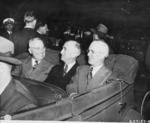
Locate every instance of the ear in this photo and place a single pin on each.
(30, 51)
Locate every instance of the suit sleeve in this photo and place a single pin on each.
(72, 87)
(49, 79)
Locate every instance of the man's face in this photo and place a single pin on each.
(44, 29)
(96, 53)
(9, 27)
(37, 49)
(69, 51)
(95, 37)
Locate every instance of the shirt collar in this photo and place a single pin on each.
(70, 65)
(95, 69)
(33, 61)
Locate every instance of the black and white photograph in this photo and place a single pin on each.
(74, 60)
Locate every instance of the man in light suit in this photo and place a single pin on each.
(91, 76)
(14, 96)
(59, 75)
(36, 65)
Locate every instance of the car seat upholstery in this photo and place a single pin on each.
(123, 67)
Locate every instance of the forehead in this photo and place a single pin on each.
(36, 43)
(98, 46)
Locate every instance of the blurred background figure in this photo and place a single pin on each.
(101, 32)
(13, 97)
(8, 28)
(22, 37)
(42, 31)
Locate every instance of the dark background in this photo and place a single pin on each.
(126, 18)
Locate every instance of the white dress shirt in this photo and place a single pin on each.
(70, 66)
(95, 69)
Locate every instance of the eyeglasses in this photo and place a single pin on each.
(90, 51)
(38, 48)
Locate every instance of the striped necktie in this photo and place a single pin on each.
(35, 65)
(65, 70)
(90, 74)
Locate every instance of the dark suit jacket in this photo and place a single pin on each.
(56, 77)
(5, 34)
(26, 69)
(79, 83)
(14, 98)
(21, 39)
(43, 37)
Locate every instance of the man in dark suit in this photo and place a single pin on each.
(36, 65)
(88, 77)
(42, 31)
(14, 96)
(60, 75)
(21, 38)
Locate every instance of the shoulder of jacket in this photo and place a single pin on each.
(83, 67)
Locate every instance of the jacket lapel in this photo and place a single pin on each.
(83, 79)
(72, 70)
(100, 77)
(28, 67)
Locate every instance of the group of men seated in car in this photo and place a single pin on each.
(45, 65)
(37, 65)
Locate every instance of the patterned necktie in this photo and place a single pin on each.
(35, 65)
(90, 74)
(65, 70)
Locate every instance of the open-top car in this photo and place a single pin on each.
(114, 101)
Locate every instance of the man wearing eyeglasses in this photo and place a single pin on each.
(36, 66)
(88, 77)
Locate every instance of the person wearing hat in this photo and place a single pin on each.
(21, 38)
(14, 96)
(101, 32)
(8, 24)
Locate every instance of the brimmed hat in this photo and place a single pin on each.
(101, 30)
(8, 20)
(6, 52)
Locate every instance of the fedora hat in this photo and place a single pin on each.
(6, 52)
(101, 30)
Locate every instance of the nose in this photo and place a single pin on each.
(89, 53)
(61, 52)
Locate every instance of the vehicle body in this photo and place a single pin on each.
(112, 102)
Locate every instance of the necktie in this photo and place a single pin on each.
(90, 74)
(65, 70)
(35, 65)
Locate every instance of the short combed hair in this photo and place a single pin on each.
(77, 45)
(33, 39)
(107, 46)
(40, 23)
(30, 15)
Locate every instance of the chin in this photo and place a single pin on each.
(90, 62)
